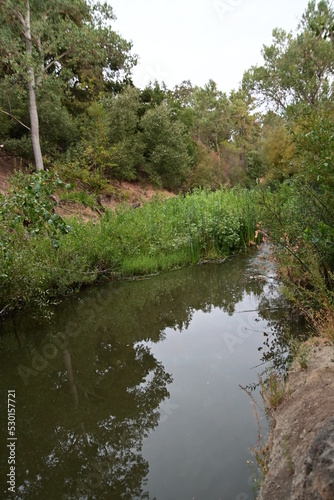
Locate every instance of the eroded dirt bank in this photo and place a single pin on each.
(302, 435)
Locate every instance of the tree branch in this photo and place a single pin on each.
(19, 16)
(48, 66)
(14, 118)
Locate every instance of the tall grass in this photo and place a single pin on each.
(159, 236)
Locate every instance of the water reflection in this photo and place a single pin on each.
(91, 387)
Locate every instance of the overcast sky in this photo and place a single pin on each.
(198, 40)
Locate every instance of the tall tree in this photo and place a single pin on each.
(297, 69)
(166, 155)
(68, 40)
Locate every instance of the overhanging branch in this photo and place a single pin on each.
(14, 118)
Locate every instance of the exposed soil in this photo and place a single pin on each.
(301, 439)
(132, 193)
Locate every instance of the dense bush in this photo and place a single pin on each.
(300, 222)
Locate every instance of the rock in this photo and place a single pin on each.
(319, 482)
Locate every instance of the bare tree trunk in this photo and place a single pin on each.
(34, 125)
(219, 159)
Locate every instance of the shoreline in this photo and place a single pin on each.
(301, 435)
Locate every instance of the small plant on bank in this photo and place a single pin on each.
(273, 390)
(301, 352)
(262, 457)
(303, 356)
(87, 199)
(287, 454)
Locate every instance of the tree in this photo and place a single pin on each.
(67, 40)
(277, 148)
(123, 111)
(210, 107)
(167, 160)
(297, 70)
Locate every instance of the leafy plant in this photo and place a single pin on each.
(30, 203)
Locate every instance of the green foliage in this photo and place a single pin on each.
(75, 55)
(277, 150)
(78, 169)
(59, 129)
(167, 160)
(180, 101)
(98, 127)
(30, 203)
(123, 112)
(300, 222)
(314, 141)
(28, 224)
(153, 95)
(88, 200)
(210, 107)
(296, 147)
(206, 171)
(273, 390)
(301, 352)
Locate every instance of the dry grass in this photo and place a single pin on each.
(324, 324)
(273, 390)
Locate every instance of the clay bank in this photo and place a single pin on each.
(301, 439)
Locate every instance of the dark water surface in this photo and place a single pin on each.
(131, 390)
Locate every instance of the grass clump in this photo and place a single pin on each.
(273, 389)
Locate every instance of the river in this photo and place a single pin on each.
(131, 389)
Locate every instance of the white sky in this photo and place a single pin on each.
(198, 40)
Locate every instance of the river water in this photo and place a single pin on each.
(132, 389)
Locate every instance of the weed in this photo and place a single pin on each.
(303, 356)
(88, 200)
(287, 454)
(301, 352)
(324, 324)
(273, 390)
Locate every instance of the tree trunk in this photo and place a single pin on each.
(34, 125)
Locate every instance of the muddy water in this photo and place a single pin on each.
(131, 389)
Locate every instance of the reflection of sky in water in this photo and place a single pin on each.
(199, 450)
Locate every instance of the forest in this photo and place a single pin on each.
(256, 163)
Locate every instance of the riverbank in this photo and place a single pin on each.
(44, 256)
(301, 438)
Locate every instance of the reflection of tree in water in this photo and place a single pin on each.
(284, 325)
(142, 310)
(129, 387)
(97, 412)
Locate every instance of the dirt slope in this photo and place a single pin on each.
(132, 193)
